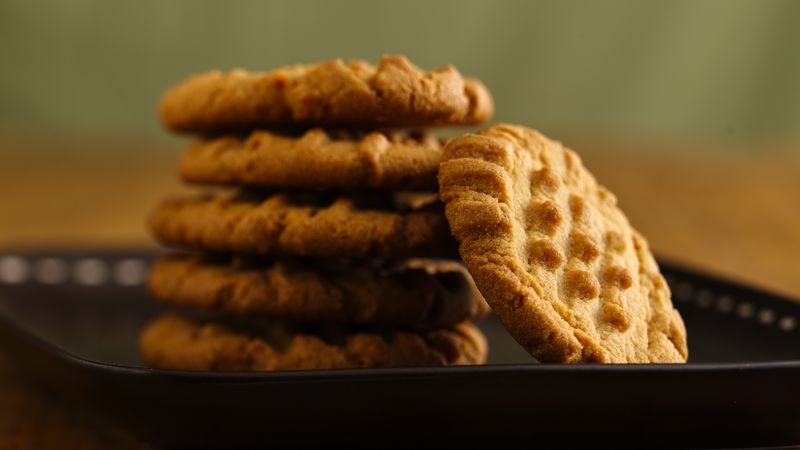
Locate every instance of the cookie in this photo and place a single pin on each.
(395, 93)
(317, 159)
(303, 224)
(177, 342)
(306, 292)
(553, 254)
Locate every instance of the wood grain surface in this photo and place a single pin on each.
(732, 212)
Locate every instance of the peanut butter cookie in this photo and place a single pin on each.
(319, 292)
(395, 93)
(172, 341)
(310, 224)
(553, 254)
(318, 159)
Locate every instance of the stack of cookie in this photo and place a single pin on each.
(329, 252)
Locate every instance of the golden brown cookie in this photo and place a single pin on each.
(553, 255)
(395, 93)
(172, 341)
(306, 292)
(317, 159)
(303, 224)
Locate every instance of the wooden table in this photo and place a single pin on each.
(727, 210)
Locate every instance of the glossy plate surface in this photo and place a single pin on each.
(70, 321)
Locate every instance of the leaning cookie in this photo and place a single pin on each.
(172, 341)
(355, 293)
(303, 224)
(318, 159)
(395, 93)
(553, 255)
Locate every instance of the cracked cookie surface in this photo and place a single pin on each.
(318, 159)
(553, 254)
(428, 296)
(306, 224)
(395, 93)
(173, 341)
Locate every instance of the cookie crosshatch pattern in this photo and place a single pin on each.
(553, 255)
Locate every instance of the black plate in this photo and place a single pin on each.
(70, 321)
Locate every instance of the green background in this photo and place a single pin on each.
(699, 69)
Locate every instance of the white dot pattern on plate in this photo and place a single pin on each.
(787, 323)
(90, 271)
(745, 310)
(86, 271)
(50, 271)
(704, 298)
(725, 304)
(13, 269)
(766, 316)
(129, 272)
(683, 291)
(133, 272)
